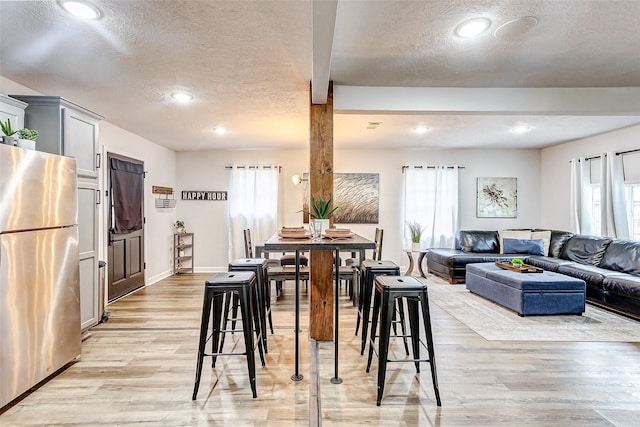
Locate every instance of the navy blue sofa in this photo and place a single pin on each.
(610, 267)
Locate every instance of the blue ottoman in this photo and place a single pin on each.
(527, 293)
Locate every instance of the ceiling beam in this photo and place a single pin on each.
(324, 23)
(455, 100)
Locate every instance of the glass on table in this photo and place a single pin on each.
(315, 226)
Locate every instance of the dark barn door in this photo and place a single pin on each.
(126, 225)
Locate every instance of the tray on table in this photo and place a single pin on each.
(525, 268)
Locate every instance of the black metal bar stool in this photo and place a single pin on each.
(242, 283)
(388, 289)
(370, 269)
(259, 267)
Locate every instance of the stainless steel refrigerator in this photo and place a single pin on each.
(39, 273)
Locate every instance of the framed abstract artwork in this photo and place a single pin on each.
(497, 198)
(356, 194)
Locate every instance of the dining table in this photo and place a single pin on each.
(353, 242)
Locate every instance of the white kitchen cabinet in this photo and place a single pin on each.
(12, 109)
(64, 128)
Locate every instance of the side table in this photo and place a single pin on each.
(410, 253)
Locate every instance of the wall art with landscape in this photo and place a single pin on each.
(356, 194)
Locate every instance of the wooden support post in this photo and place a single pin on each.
(321, 184)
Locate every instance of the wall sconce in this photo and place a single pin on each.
(297, 179)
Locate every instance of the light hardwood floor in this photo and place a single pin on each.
(139, 368)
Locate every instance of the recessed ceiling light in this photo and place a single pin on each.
(515, 29)
(81, 9)
(472, 27)
(421, 130)
(183, 97)
(521, 128)
(220, 131)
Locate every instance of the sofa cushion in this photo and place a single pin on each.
(558, 239)
(546, 263)
(523, 246)
(471, 258)
(443, 256)
(623, 284)
(594, 276)
(511, 234)
(587, 250)
(622, 256)
(454, 257)
(477, 241)
(546, 239)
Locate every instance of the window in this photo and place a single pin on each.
(633, 210)
(632, 195)
(595, 209)
(431, 201)
(253, 204)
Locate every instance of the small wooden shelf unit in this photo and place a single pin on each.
(182, 253)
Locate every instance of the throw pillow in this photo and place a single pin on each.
(545, 236)
(512, 234)
(523, 246)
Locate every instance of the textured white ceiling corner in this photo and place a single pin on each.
(324, 23)
(249, 65)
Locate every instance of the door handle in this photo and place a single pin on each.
(98, 197)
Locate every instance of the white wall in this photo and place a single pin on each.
(206, 171)
(208, 219)
(159, 162)
(555, 183)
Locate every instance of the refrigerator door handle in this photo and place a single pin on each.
(97, 197)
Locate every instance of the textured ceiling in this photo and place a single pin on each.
(249, 64)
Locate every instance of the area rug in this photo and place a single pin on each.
(496, 323)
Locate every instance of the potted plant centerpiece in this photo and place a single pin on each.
(9, 134)
(27, 138)
(517, 262)
(321, 211)
(416, 234)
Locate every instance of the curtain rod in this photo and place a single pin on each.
(619, 153)
(255, 167)
(590, 158)
(428, 167)
(627, 152)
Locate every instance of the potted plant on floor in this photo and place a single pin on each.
(9, 134)
(416, 234)
(27, 138)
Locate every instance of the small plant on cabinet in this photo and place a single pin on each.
(29, 134)
(9, 133)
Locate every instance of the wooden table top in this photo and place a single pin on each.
(276, 242)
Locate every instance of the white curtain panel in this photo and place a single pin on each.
(252, 204)
(613, 202)
(581, 199)
(431, 200)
